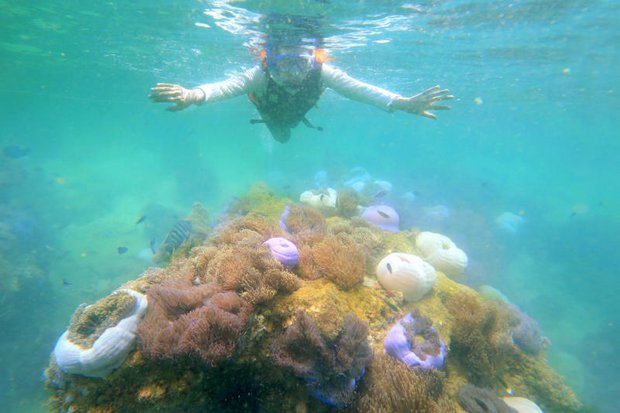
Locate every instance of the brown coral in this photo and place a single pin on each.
(306, 266)
(252, 272)
(211, 332)
(391, 386)
(476, 340)
(339, 259)
(364, 237)
(305, 223)
(251, 226)
(330, 369)
(193, 321)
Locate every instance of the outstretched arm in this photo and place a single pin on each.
(351, 88)
(182, 98)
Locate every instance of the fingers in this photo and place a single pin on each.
(431, 90)
(429, 115)
(164, 98)
(439, 98)
(166, 92)
(171, 94)
(442, 94)
(437, 92)
(164, 87)
(156, 97)
(175, 108)
(440, 107)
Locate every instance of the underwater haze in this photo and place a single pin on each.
(523, 172)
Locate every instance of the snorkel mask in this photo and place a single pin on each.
(289, 66)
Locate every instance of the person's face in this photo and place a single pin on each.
(291, 66)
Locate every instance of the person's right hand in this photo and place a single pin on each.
(424, 102)
(181, 97)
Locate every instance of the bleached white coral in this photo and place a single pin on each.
(406, 273)
(320, 198)
(108, 351)
(441, 253)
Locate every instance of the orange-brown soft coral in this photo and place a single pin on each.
(249, 226)
(364, 237)
(392, 386)
(252, 272)
(199, 260)
(532, 377)
(305, 223)
(308, 270)
(192, 321)
(477, 341)
(330, 368)
(339, 259)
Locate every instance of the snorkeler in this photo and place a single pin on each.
(289, 81)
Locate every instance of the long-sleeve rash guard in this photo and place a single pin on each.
(255, 81)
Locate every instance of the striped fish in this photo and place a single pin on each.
(175, 238)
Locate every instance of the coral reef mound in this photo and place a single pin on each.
(230, 328)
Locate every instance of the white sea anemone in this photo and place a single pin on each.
(522, 405)
(441, 253)
(406, 273)
(108, 351)
(320, 198)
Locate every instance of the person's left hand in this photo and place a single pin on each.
(422, 103)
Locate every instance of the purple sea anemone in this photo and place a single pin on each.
(382, 216)
(284, 251)
(415, 342)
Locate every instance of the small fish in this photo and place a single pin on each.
(15, 151)
(321, 197)
(153, 249)
(176, 237)
(122, 250)
(389, 267)
(66, 282)
(141, 220)
(383, 214)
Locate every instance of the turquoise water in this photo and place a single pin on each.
(533, 130)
